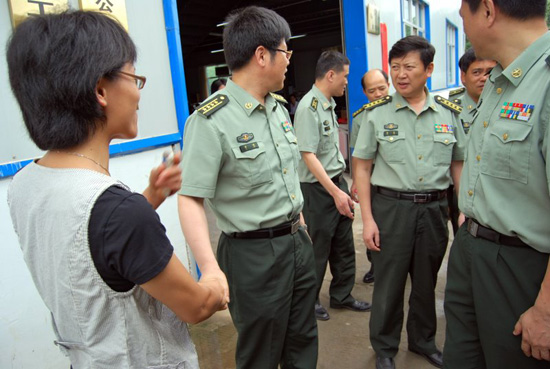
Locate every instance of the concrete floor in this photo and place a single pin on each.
(343, 340)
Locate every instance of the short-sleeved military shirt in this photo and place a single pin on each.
(411, 152)
(469, 110)
(505, 182)
(357, 118)
(317, 132)
(242, 157)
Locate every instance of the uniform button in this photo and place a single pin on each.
(478, 158)
(419, 157)
(293, 197)
(470, 193)
(446, 141)
(261, 108)
(391, 138)
(485, 124)
(505, 136)
(277, 144)
(421, 179)
(499, 90)
(284, 171)
(419, 137)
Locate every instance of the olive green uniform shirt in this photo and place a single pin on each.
(411, 152)
(469, 110)
(506, 175)
(355, 126)
(243, 158)
(317, 131)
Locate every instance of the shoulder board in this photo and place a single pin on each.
(548, 61)
(359, 111)
(457, 101)
(278, 98)
(376, 103)
(449, 104)
(209, 107)
(458, 91)
(314, 103)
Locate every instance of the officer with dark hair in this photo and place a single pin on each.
(328, 208)
(417, 141)
(218, 84)
(241, 155)
(497, 299)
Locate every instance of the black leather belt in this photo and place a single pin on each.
(479, 231)
(278, 231)
(336, 179)
(421, 197)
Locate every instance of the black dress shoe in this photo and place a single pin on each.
(320, 312)
(436, 359)
(354, 305)
(384, 363)
(369, 277)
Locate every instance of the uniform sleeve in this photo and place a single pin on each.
(366, 145)
(355, 129)
(306, 126)
(202, 157)
(461, 138)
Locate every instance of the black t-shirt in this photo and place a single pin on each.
(128, 242)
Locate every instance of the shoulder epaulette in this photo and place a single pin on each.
(212, 105)
(278, 98)
(314, 103)
(458, 91)
(359, 111)
(376, 103)
(457, 101)
(449, 104)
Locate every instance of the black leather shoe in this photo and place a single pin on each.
(369, 277)
(384, 363)
(320, 312)
(436, 359)
(354, 305)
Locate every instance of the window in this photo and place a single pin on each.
(452, 35)
(414, 19)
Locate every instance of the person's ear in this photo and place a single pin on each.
(101, 92)
(430, 69)
(261, 56)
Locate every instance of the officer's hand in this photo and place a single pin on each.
(534, 327)
(371, 235)
(344, 204)
(217, 288)
(353, 192)
(461, 219)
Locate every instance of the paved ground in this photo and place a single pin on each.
(343, 340)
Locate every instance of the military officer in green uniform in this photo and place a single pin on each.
(375, 84)
(497, 299)
(328, 208)
(474, 71)
(416, 141)
(241, 155)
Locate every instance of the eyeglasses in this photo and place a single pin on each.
(140, 80)
(288, 53)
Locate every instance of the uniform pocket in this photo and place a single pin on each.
(293, 143)
(392, 146)
(507, 151)
(252, 167)
(443, 148)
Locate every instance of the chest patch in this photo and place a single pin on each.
(245, 137)
(516, 111)
(391, 133)
(444, 128)
(391, 126)
(248, 147)
(287, 127)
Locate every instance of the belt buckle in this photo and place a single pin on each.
(420, 198)
(472, 227)
(295, 226)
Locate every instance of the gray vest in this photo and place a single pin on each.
(95, 326)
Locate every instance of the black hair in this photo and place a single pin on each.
(249, 28)
(413, 43)
(217, 84)
(330, 60)
(54, 63)
(517, 9)
(467, 59)
(384, 74)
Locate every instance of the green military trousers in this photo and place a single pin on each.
(488, 287)
(332, 237)
(272, 292)
(413, 240)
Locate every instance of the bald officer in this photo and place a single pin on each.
(417, 142)
(328, 208)
(375, 84)
(241, 155)
(497, 300)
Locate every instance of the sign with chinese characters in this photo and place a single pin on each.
(22, 9)
(115, 8)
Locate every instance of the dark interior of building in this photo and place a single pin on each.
(316, 22)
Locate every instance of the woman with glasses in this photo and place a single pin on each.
(97, 252)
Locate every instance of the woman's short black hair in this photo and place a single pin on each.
(55, 62)
(217, 84)
(413, 43)
(249, 28)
